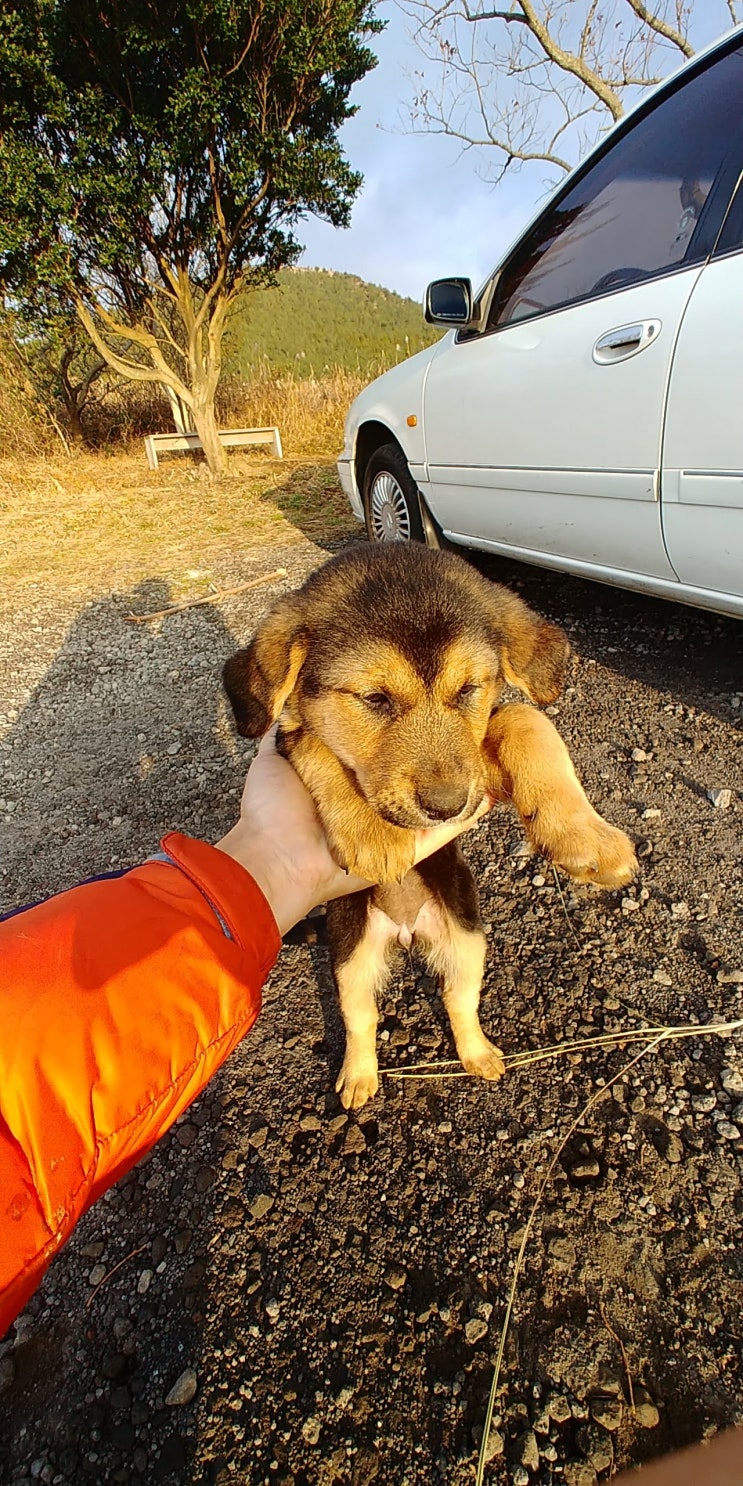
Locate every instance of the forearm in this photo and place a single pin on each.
(120, 1000)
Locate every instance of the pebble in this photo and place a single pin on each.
(526, 1450)
(183, 1390)
(562, 1250)
(606, 1409)
(558, 1408)
(538, 881)
(272, 1309)
(97, 1273)
(674, 1151)
(639, 756)
(630, 904)
(732, 1081)
(596, 1445)
(144, 1281)
(651, 813)
(309, 1122)
(311, 1430)
(579, 1473)
(727, 1131)
(585, 1168)
(355, 1141)
(722, 799)
(680, 910)
(646, 1413)
(475, 1330)
(260, 1205)
(662, 977)
(258, 1138)
(495, 1446)
(704, 1103)
(395, 1277)
(730, 977)
(520, 1475)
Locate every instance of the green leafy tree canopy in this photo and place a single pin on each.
(156, 158)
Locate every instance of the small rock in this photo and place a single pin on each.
(526, 1450)
(639, 755)
(585, 1168)
(630, 904)
(355, 1141)
(562, 1250)
(728, 1131)
(395, 1277)
(646, 1413)
(97, 1273)
(94, 1250)
(495, 1446)
(651, 813)
(311, 1430)
(475, 1330)
(730, 977)
(704, 1103)
(732, 1081)
(258, 1138)
(309, 1122)
(186, 1135)
(272, 1309)
(722, 799)
(662, 977)
(558, 1408)
(520, 1475)
(738, 1113)
(679, 910)
(183, 1390)
(337, 1123)
(144, 1282)
(674, 1151)
(538, 881)
(596, 1445)
(606, 1409)
(579, 1473)
(260, 1205)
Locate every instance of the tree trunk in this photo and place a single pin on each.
(74, 425)
(206, 428)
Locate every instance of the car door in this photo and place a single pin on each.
(543, 431)
(702, 478)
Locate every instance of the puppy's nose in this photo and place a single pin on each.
(442, 801)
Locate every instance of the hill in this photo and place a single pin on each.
(314, 319)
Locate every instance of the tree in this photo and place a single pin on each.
(538, 80)
(157, 156)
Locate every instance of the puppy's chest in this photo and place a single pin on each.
(403, 911)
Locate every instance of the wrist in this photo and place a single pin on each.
(285, 892)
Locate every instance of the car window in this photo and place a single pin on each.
(634, 213)
(731, 237)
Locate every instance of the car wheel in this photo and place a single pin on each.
(391, 498)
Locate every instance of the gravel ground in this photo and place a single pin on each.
(308, 1297)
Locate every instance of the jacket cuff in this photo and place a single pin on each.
(232, 893)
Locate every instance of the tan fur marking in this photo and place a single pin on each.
(297, 657)
(459, 957)
(360, 980)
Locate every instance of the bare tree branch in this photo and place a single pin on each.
(657, 24)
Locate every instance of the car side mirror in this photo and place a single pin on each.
(449, 302)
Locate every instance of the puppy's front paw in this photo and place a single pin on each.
(357, 1081)
(383, 853)
(590, 850)
(482, 1059)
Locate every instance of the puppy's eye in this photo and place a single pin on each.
(466, 693)
(378, 701)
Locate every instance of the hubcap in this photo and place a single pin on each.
(390, 518)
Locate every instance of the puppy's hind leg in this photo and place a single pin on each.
(455, 948)
(358, 943)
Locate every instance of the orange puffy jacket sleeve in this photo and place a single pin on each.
(118, 1001)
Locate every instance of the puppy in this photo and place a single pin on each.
(385, 671)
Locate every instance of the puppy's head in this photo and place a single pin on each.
(394, 657)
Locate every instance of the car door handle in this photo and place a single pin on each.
(625, 341)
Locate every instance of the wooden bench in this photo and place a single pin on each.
(232, 438)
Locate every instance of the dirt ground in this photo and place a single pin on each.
(336, 1283)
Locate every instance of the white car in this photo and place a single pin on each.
(585, 410)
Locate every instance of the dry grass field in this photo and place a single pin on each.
(76, 519)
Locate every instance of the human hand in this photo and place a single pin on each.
(279, 840)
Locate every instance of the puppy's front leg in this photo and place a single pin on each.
(529, 765)
(359, 840)
(358, 939)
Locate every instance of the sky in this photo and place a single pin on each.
(424, 210)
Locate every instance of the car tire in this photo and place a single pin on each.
(391, 502)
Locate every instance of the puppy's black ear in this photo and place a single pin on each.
(534, 653)
(258, 680)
